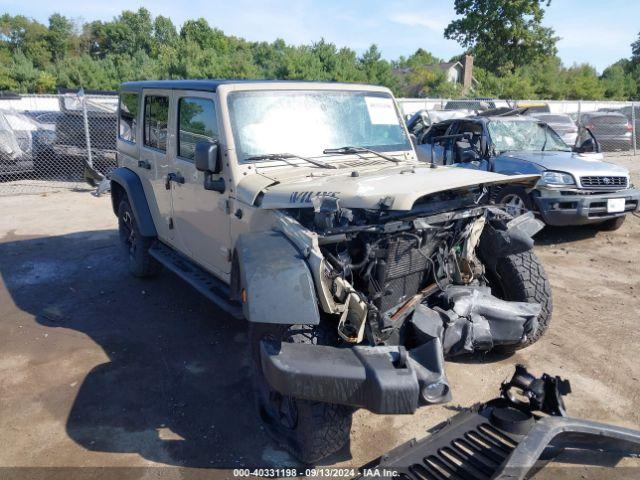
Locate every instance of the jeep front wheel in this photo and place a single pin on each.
(308, 430)
(521, 278)
(141, 264)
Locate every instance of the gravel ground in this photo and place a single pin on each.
(102, 370)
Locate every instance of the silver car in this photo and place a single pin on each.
(562, 124)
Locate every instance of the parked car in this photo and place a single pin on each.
(562, 124)
(611, 129)
(573, 190)
(634, 119)
(302, 208)
(16, 143)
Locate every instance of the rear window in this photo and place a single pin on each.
(609, 120)
(196, 123)
(156, 116)
(128, 116)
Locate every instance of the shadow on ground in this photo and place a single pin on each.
(559, 235)
(176, 388)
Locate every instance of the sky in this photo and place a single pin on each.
(591, 31)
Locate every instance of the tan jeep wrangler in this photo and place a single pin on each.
(302, 208)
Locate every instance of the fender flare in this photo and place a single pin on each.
(132, 186)
(276, 281)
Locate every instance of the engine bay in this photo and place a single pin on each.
(403, 278)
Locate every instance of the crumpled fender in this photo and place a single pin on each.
(277, 283)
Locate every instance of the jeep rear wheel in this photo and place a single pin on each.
(309, 430)
(141, 264)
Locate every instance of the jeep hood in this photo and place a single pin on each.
(399, 186)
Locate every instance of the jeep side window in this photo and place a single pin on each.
(196, 122)
(128, 123)
(156, 115)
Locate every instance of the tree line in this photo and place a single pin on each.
(513, 59)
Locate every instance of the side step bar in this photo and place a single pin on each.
(207, 284)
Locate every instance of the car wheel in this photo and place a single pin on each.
(611, 224)
(141, 264)
(521, 278)
(516, 200)
(309, 430)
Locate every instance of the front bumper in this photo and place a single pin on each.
(572, 207)
(387, 380)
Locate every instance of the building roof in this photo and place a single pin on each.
(443, 66)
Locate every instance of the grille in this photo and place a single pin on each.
(476, 454)
(400, 272)
(603, 182)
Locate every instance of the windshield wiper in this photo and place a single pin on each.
(546, 137)
(356, 150)
(285, 156)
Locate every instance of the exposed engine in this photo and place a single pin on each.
(406, 277)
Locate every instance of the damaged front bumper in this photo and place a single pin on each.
(392, 379)
(388, 380)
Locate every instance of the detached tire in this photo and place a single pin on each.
(141, 264)
(521, 278)
(308, 430)
(611, 224)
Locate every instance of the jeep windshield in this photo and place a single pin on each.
(307, 122)
(524, 135)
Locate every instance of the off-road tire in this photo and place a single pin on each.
(141, 264)
(611, 224)
(320, 429)
(521, 278)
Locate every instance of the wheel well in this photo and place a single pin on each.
(117, 194)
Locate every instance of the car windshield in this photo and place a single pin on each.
(309, 122)
(522, 135)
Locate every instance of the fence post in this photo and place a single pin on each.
(86, 126)
(633, 126)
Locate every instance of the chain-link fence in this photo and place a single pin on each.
(615, 125)
(48, 142)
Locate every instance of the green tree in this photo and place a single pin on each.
(59, 36)
(502, 34)
(617, 83)
(582, 83)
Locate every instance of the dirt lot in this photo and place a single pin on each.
(102, 370)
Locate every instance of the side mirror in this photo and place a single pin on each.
(208, 157)
(589, 145)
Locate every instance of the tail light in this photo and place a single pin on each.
(629, 127)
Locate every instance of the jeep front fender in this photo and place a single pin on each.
(130, 183)
(277, 285)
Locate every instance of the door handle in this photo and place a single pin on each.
(144, 164)
(173, 177)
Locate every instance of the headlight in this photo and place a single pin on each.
(557, 179)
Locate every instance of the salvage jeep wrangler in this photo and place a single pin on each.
(302, 207)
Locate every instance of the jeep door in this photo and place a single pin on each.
(199, 216)
(153, 162)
